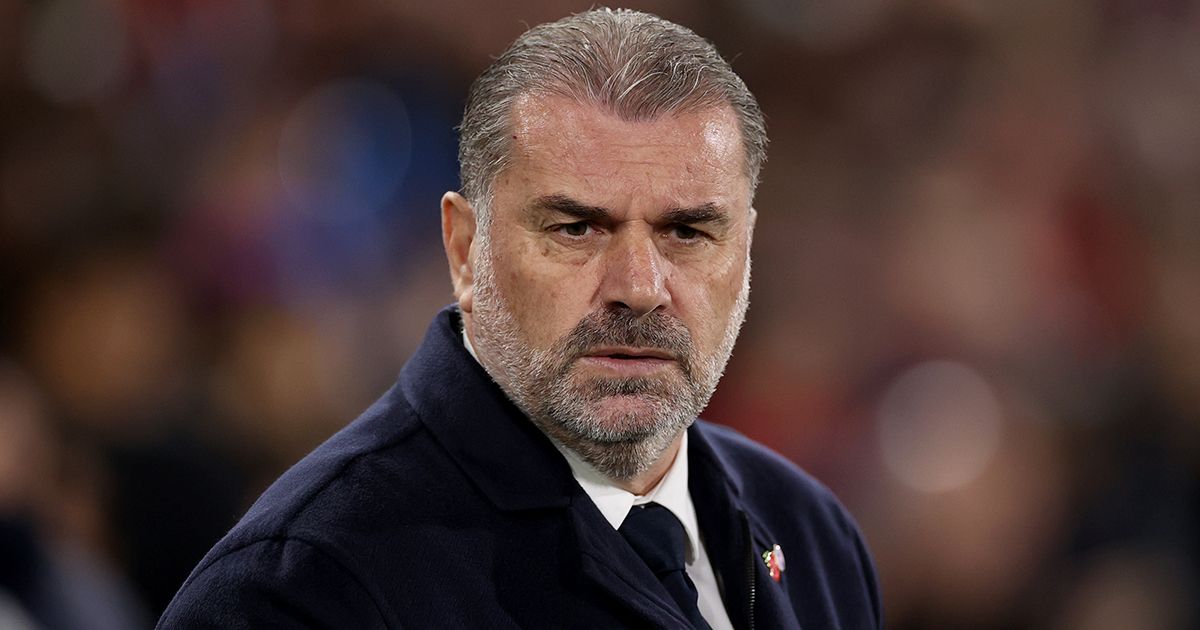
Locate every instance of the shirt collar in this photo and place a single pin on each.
(467, 342)
(614, 502)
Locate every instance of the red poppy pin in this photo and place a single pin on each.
(774, 561)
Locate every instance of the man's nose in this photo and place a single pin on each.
(635, 274)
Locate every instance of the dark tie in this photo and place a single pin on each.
(658, 537)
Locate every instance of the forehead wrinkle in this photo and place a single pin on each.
(717, 129)
(580, 149)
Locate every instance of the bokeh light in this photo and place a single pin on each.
(939, 426)
(344, 150)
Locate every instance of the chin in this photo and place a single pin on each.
(624, 447)
(626, 419)
(632, 416)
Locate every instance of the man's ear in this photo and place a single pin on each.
(458, 233)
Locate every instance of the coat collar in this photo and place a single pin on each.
(508, 458)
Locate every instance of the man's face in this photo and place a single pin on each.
(612, 280)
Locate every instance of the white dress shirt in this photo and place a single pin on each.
(672, 493)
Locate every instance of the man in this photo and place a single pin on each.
(539, 464)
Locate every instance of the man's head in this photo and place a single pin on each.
(600, 249)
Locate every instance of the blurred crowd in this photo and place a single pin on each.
(975, 313)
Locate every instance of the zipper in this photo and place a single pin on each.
(751, 560)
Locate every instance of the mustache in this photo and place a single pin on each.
(616, 326)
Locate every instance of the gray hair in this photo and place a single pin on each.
(634, 65)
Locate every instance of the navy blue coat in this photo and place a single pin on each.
(442, 506)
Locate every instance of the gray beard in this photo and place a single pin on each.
(567, 407)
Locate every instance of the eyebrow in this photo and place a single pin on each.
(570, 207)
(704, 213)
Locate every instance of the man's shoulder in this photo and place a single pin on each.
(301, 537)
(373, 471)
(315, 481)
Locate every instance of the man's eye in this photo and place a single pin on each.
(574, 229)
(686, 232)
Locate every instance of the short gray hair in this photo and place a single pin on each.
(634, 65)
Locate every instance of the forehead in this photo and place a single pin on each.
(689, 157)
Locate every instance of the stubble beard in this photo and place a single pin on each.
(544, 384)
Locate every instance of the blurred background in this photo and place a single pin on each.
(975, 315)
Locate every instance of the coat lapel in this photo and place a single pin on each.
(772, 606)
(735, 541)
(607, 562)
(512, 463)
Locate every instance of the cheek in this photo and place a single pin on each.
(706, 300)
(546, 299)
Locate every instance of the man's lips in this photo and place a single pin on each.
(628, 352)
(628, 361)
